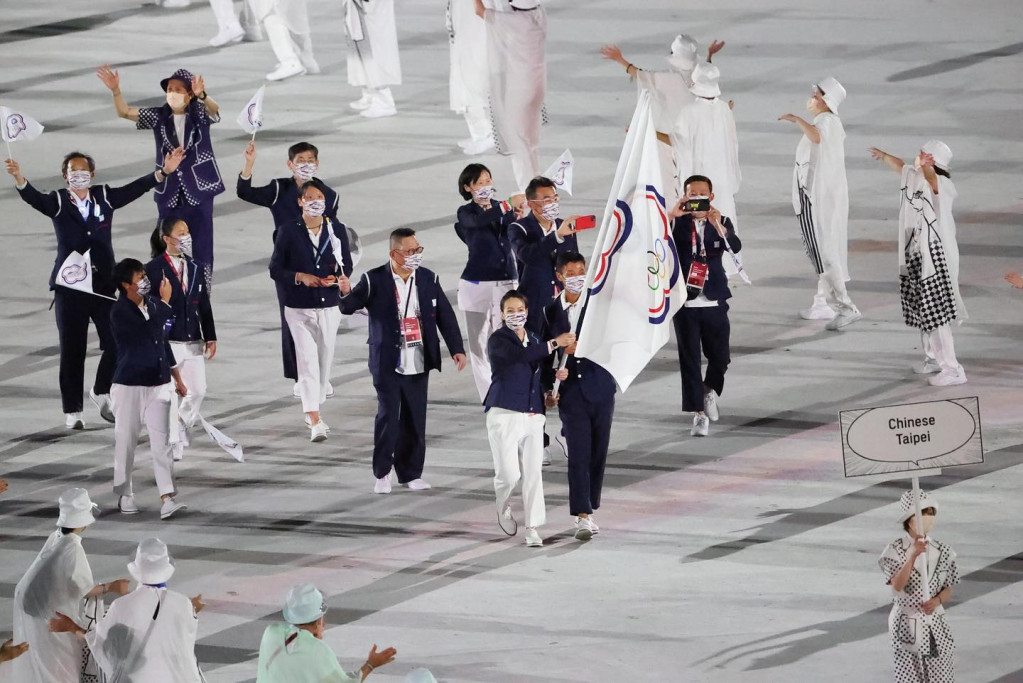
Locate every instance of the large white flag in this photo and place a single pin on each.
(634, 281)
(251, 117)
(18, 127)
(560, 172)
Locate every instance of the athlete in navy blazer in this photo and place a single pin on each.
(144, 356)
(399, 435)
(537, 252)
(294, 253)
(193, 313)
(517, 368)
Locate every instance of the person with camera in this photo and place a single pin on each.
(702, 235)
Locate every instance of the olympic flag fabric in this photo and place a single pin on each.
(251, 118)
(634, 285)
(18, 127)
(560, 172)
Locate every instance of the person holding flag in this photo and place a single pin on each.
(82, 216)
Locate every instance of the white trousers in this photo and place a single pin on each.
(223, 10)
(477, 118)
(287, 44)
(481, 304)
(938, 346)
(514, 435)
(191, 363)
(134, 406)
(831, 292)
(314, 331)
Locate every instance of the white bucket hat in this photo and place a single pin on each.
(75, 509)
(909, 509)
(152, 563)
(833, 93)
(304, 604)
(683, 53)
(705, 80)
(940, 151)
(419, 676)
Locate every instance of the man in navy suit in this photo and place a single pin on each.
(406, 307)
(701, 238)
(585, 400)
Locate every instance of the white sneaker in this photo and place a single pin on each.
(710, 405)
(310, 64)
(309, 424)
(127, 506)
(286, 70)
(546, 456)
(583, 532)
(382, 485)
(179, 452)
(378, 110)
(228, 36)
(330, 389)
(701, 425)
(318, 432)
(102, 401)
(840, 321)
(169, 507)
(176, 4)
(507, 522)
(815, 312)
(533, 539)
(74, 421)
(478, 147)
(593, 524)
(947, 378)
(927, 367)
(361, 103)
(417, 485)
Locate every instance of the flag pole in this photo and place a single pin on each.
(10, 154)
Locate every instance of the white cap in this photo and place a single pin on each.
(909, 509)
(940, 151)
(152, 563)
(419, 676)
(833, 93)
(75, 509)
(705, 80)
(304, 604)
(683, 53)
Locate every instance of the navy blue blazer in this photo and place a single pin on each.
(376, 293)
(198, 176)
(193, 313)
(485, 232)
(515, 371)
(75, 233)
(294, 253)
(584, 375)
(144, 356)
(537, 256)
(280, 195)
(715, 287)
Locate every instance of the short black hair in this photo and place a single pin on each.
(698, 179)
(468, 176)
(567, 257)
(71, 156)
(536, 183)
(318, 184)
(65, 530)
(300, 147)
(124, 271)
(398, 234)
(514, 294)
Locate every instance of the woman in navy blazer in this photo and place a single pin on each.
(515, 414)
(192, 335)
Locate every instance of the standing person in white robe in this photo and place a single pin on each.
(286, 23)
(820, 197)
(59, 580)
(373, 61)
(294, 651)
(929, 258)
(516, 44)
(147, 636)
(469, 86)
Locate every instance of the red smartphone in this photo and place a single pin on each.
(585, 223)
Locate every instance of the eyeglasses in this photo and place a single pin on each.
(417, 250)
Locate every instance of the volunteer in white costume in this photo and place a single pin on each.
(147, 636)
(59, 580)
(294, 651)
(516, 39)
(929, 258)
(469, 87)
(286, 23)
(373, 61)
(820, 197)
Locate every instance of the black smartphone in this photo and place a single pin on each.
(697, 204)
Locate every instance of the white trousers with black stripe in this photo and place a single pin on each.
(831, 291)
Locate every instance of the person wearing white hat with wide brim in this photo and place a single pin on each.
(922, 644)
(929, 258)
(149, 634)
(60, 579)
(294, 651)
(820, 197)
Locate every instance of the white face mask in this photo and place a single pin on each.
(143, 286)
(315, 207)
(176, 100)
(551, 211)
(484, 193)
(79, 180)
(185, 245)
(515, 321)
(412, 261)
(575, 283)
(306, 170)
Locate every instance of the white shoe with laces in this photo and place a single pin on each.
(533, 539)
(417, 485)
(948, 378)
(710, 405)
(378, 110)
(927, 367)
(583, 532)
(816, 312)
(840, 321)
(382, 485)
(309, 423)
(507, 522)
(105, 405)
(226, 36)
(701, 425)
(169, 507)
(286, 70)
(126, 505)
(318, 433)
(74, 421)
(361, 103)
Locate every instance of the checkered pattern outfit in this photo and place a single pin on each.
(927, 303)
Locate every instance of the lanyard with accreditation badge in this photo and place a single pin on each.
(698, 269)
(411, 332)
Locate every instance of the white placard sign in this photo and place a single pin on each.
(912, 437)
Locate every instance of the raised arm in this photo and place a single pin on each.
(809, 130)
(199, 88)
(894, 162)
(47, 204)
(126, 194)
(264, 195)
(615, 55)
(112, 79)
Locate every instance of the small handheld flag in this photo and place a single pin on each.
(560, 172)
(251, 117)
